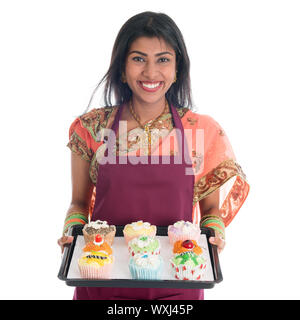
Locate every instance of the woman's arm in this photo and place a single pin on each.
(210, 206)
(82, 188)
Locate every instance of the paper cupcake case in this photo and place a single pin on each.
(95, 271)
(109, 237)
(173, 237)
(183, 272)
(138, 272)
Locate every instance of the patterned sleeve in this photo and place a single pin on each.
(80, 140)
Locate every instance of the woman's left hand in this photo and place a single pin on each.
(218, 241)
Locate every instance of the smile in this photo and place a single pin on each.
(150, 86)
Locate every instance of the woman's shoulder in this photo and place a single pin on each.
(96, 119)
(199, 120)
(97, 116)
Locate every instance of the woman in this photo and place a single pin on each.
(149, 80)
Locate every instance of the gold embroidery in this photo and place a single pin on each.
(216, 178)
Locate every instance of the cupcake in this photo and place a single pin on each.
(187, 246)
(188, 266)
(144, 244)
(99, 227)
(146, 266)
(96, 261)
(98, 245)
(137, 229)
(188, 262)
(183, 230)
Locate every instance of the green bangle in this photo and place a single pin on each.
(73, 219)
(220, 230)
(216, 221)
(76, 215)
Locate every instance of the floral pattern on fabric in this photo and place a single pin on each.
(79, 146)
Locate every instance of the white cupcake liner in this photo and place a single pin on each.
(183, 272)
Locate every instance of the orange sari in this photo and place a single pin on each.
(214, 162)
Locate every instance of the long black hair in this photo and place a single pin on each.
(147, 24)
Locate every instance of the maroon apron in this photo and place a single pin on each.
(160, 194)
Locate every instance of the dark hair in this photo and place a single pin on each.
(148, 24)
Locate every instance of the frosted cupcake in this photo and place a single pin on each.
(183, 230)
(188, 266)
(188, 262)
(137, 229)
(99, 227)
(96, 261)
(146, 266)
(144, 244)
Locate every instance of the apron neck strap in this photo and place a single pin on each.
(177, 122)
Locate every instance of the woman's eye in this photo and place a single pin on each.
(138, 59)
(164, 60)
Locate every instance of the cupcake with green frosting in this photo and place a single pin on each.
(144, 244)
(188, 266)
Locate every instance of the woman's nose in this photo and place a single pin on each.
(150, 70)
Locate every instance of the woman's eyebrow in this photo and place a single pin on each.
(145, 54)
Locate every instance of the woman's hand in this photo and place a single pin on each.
(218, 241)
(64, 240)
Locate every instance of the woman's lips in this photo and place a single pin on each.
(150, 86)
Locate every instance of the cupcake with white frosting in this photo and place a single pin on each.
(137, 229)
(146, 266)
(183, 230)
(91, 229)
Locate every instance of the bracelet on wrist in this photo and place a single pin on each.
(214, 222)
(73, 219)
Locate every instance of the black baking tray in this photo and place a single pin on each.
(136, 283)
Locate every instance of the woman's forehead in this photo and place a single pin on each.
(151, 45)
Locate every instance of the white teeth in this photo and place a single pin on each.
(150, 85)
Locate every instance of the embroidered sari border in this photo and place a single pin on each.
(215, 179)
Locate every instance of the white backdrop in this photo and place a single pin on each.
(245, 73)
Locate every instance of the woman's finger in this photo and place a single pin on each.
(219, 242)
(64, 240)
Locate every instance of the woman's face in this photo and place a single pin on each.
(150, 69)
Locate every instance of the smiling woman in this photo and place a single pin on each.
(150, 71)
(149, 81)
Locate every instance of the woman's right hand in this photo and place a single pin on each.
(64, 240)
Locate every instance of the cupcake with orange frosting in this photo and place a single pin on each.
(137, 229)
(188, 262)
(96, 261)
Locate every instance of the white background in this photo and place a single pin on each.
(245, 71)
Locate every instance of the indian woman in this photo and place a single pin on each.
(148, 95)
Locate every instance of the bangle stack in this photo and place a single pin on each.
(213, 222)
(73, 219)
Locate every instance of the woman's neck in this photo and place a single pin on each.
(147, 112)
